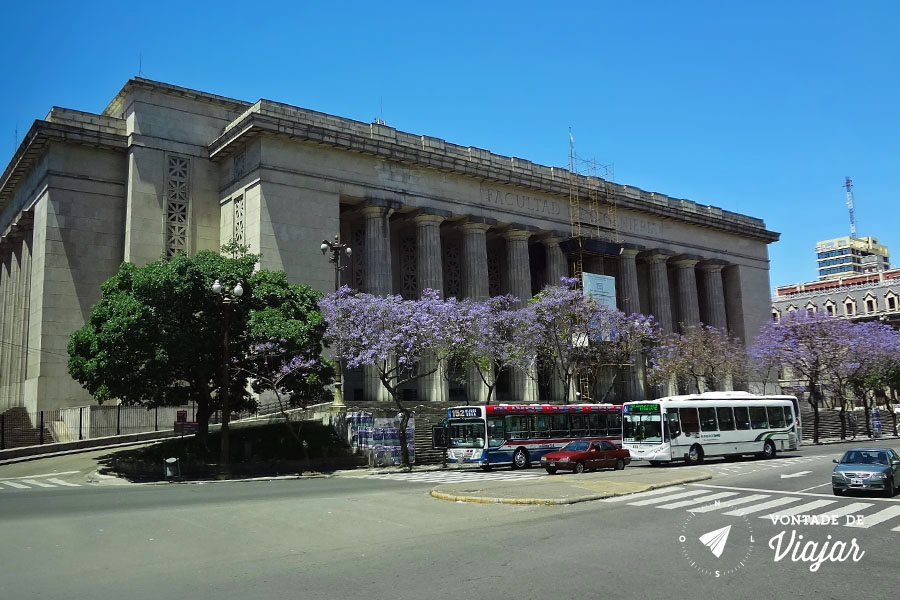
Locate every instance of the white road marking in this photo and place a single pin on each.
(61, 482)
(793, 475)
(16, 485)
(848, 509)
(728, 503)
(699, 500)
(748, 510)
(37, 483)
(799, 509)
(765, 491)
(879, 517)
(684, 494)
(39, 476)
(655, 492)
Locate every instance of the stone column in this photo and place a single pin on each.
(714, 294)
(430, 274)
(475, 286)
(557, 268)
(688, 307)
(6, 319)
(524, 386)
(557, 263)
(631, 304)
(377, 280)
(660, 301)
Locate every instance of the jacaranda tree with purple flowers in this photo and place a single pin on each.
(575, 333)
(494, 338)
(809, 348)
(393, 335)
(702, 355)
(875, 349)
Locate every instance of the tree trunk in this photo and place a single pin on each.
(843, 417)
(204, 411)
(401, 435)
(814, 403)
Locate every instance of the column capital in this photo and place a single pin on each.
(429, 218)
(655, 255)
(517, 234)
(629, 253)
(712, 265)
(685, 261)
(475, 226)
(375, 210)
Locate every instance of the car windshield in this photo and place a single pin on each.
(575, 446)
(865, 457)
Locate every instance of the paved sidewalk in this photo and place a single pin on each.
(565, 489)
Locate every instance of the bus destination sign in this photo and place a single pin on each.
(464, 413)
(641, 408)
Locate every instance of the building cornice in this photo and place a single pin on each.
(273, 119)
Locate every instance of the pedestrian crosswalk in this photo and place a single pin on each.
(458, 476)
(756, 466)
(770, 505)
(33, 482)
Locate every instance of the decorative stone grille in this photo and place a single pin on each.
(177, 204)
(452, 270)
(239, 227)
(358, 244)
(494, 273)
(408, 281)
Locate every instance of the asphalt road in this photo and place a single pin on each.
(347, 537)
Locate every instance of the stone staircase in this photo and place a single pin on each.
(830, 423)
(18, 430)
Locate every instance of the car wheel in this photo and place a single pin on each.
(837, 491)
(620, 464)
(551, 470)
(579, 467)
(889, 489)
(485, 467)
(695, 455)
(520, 458)
(769, 449)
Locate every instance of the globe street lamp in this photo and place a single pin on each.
(338, 251)
(228, 297)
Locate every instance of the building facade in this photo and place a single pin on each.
(166, 169)
(848, 255)
(864, 297)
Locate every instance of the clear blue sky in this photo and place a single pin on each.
(757, 107)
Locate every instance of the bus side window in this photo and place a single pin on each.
(690, 423)
(614, 423)
(559, 426)
(741, 418)
(495, 433)
(674, 427)
(708, 418)
(776, 416)
(788, 416)
(726, 418)
(517, 427)
(540, 425)
(758, 419)
(579, 426)
(598, 424)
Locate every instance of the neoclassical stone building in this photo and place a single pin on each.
(165, 168)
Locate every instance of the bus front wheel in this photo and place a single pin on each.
(695, 455)
(520, 458)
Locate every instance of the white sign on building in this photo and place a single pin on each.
(601, 287)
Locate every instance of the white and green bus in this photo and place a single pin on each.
(698, 426)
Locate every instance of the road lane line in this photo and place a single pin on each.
(728, 503)
(700, 500)
(61, 482)
(800, 508)
(743, 489)
(882, 515)
(37, 483)
(656, 492)
(39, 476)
(747, 510)
(16, 485)
(684, 494)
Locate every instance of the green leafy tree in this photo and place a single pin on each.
(155, 338)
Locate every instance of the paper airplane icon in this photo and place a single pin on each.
(715, 540)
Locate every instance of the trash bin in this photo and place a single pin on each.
(171, 468)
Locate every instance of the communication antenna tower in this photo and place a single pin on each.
(848, 183)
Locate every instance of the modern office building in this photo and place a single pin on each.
(165, 169)
(848, 255)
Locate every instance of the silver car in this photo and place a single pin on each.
(869, 469)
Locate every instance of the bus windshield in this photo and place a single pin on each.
(467, 434)
(643, 427)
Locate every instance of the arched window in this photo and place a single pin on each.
(849, 307)
(890, 301)
(776, 315)
(829, 307)
(811, 308)
(871, 303)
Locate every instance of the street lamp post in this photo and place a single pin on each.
(228, 297)
(338, 251)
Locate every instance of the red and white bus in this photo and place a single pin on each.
(519, 434)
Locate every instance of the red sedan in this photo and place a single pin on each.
(586, 454)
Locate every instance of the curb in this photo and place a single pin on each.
(556, 502)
